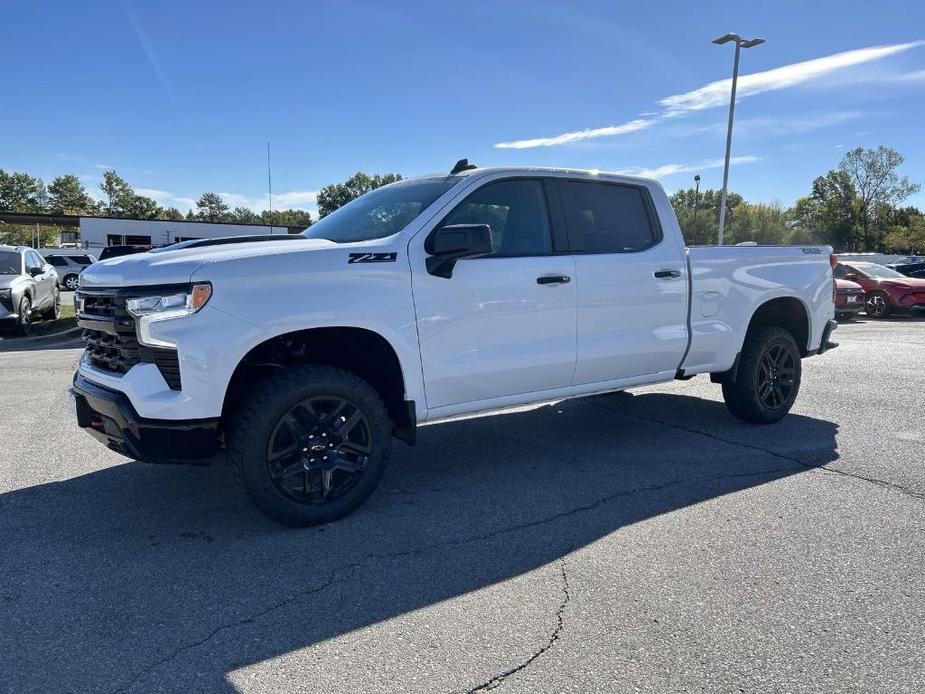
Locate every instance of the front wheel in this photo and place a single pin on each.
(71, 282)
(54, 311)
(768, 378)
(25, 317)
(310, 444)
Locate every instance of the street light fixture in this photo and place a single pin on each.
(740, 44)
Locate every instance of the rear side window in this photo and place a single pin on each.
(516, 212)
(56, 260)
(607, 218)
(80, 259)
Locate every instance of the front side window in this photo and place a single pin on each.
(606, 218)
(33, 261)
(516, 212)
(381, 212)
(10, 263)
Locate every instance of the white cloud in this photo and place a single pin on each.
(102, 167)
(578, 135)
(671, 169)
(296, 199)
(916, 76)
(717, 93)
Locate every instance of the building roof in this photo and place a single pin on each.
(73, 220)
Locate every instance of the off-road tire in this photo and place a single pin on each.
(742, 396)
(252, 425)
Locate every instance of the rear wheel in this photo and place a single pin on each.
(55, 309)
(768, 377)
(310, 444)
(71, 282)
(876, 305)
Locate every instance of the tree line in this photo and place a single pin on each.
(854, 207)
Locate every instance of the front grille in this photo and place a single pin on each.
(116, 348)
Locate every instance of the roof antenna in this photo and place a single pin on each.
(462, 165)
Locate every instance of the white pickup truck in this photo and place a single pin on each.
(299, 358)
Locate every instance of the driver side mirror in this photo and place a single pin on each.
(851, 277)
(448, 244)
(35, 271)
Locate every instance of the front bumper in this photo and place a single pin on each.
(109, 417)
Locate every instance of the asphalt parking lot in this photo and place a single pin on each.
(645, 542)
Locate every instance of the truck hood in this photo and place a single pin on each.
(166, 266)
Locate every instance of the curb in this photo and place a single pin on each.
(62, 336)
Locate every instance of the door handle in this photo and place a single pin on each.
(667, 274)
(553, 279)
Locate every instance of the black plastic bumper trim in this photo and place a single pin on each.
(108, 416)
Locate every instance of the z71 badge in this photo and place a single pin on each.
(372, 257)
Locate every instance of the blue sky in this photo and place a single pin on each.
(181, 97)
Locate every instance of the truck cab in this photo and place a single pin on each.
(300, 359)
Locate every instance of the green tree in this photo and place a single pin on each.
(286, 218)
(211, 207)
(171, 213)
(830, 213)
(119, 194)
(706, 229)
(879, 187)
(243, 215)
(141, 207)
(339, 194)
(907, 239)
(20, 192)
(66, 195)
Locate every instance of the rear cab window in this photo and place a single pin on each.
(604, 217)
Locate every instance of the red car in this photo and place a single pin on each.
(886, 291)
(849, 299)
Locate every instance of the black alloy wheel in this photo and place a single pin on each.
(876, 305)
(319, 450)
(776, 376)
(309, 444)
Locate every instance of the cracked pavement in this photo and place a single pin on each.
(644, 542)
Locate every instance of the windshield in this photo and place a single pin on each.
(878, 271)
(381, 212)
(10, 263)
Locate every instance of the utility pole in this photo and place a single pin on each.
(269, 180)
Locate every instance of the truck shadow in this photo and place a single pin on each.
(137, 575)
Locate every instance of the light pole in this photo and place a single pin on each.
(696, 204)
(740, 44)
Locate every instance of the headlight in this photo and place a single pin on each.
(151, 309)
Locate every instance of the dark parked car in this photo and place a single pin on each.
(909, 269)
(116, 251)
(849, 299)
(28, 288)
(886, 291)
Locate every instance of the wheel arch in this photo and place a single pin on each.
(788, 312)
(362, 351)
